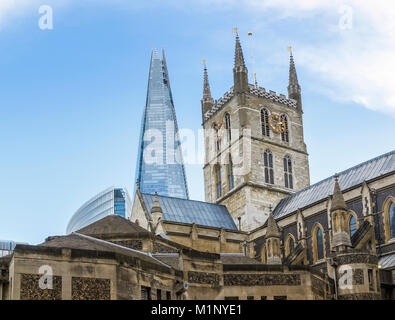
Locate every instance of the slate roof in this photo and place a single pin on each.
(352, 177)
(84, 242)
(387, 262)
(112, 224)
(192, 211)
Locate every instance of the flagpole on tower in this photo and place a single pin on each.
(252, 60)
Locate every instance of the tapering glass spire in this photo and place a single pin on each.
(160, 166)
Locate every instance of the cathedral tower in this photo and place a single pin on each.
(255, 153)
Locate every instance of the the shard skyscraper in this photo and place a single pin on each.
(160, 166)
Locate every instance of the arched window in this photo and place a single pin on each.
(268, 163)
(285, 133)
(289, 244)
(265, 122)
(389, 218)
(217, 138)
(352, 225)
(218, 181)
(318, 239)
(227, 126)
(231, 180)
(320, 244)
(288, 172)
(392, 219)
(263, 254)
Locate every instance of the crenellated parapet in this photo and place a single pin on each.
(255, 91)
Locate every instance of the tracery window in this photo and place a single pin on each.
(268, 164)
(389, 218)
(289, 244)
(285, 133)
(288, 180)
(228, 126)
(265, 122)
(352, 225)
(318, 243)
(218, 181)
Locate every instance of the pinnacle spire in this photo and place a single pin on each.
(273, 230)
(338, 202)
(206, 86)
(240, 72)
(293, 78)
(294, 90)
(239, 58)
(156, 205)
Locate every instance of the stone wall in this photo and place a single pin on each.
(30, 288)
(90, 289)
(249, 279)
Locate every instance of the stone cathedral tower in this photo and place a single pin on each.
(255, 153)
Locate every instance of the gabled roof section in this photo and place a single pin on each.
(366, 171)
(112, 224)
(84, 242)
(191, 211)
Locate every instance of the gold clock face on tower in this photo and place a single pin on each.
(276, 124)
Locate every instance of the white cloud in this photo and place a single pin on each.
(353, 64)
(358, 63)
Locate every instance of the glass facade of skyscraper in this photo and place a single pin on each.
(160, 165)
(6, 247)
(110, 201)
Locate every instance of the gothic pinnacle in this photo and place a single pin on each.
(206, 85)
(338, 202)
(239, 58)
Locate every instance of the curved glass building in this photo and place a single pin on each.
(110, 201)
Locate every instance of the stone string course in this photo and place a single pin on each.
(203, 277)
(132, 244)
(262, 280)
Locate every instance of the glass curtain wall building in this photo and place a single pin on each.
(7, 246)
(160, 166)
(110, 201)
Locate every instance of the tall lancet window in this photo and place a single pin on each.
(218, 181)
(285, 133)
(288, 172)
(228, 127)
(353, 225)
(217, 138)
(392, 219)
(268, 163)
(265, 122)
(320, 244)
(231, 180)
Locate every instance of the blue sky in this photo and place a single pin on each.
(72, 97)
